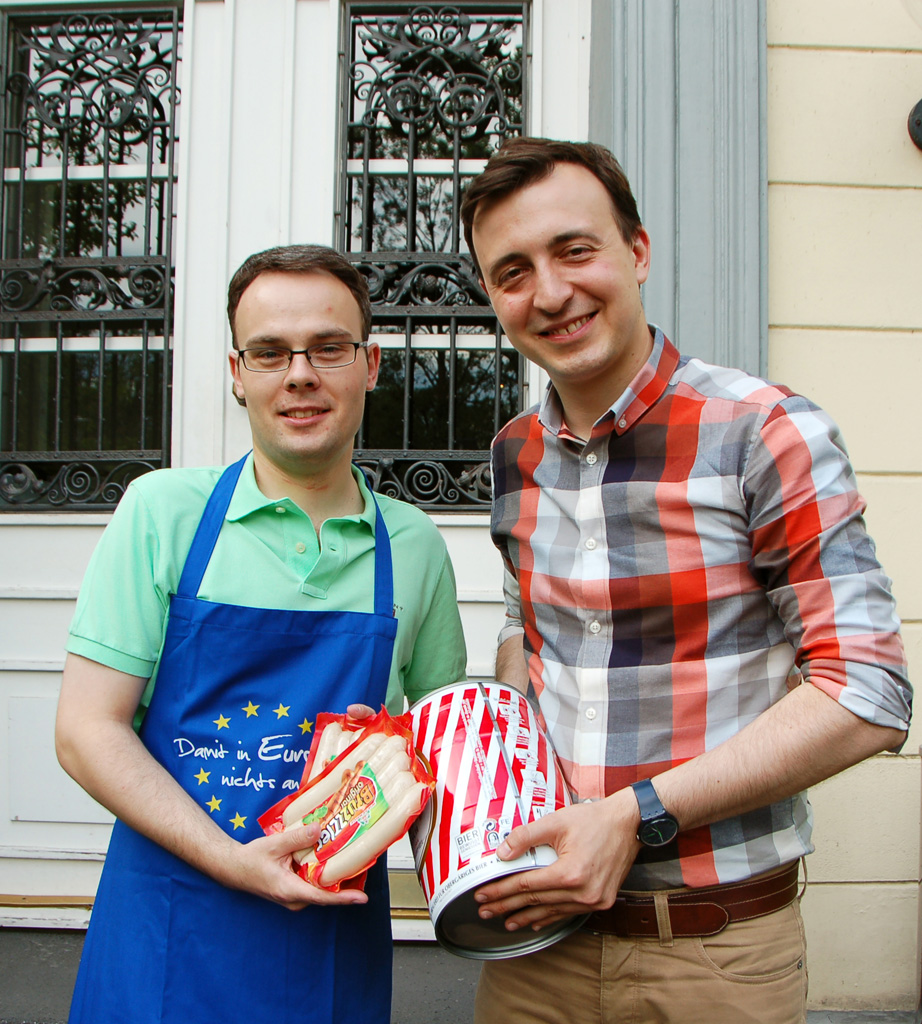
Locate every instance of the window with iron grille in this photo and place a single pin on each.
(90, 119)
(428, 93)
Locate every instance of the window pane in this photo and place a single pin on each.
(56, 400)
(431, 399)
(96, 221)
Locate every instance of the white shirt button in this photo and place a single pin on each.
(592, 458)
(591, 713)
(300, 547)
(590, 544)
(280, 508)
(622, 423)
(595, 627)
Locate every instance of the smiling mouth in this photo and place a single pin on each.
(302, 414)
(571, 328)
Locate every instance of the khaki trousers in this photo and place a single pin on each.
(753, 972)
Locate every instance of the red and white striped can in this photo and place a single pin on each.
(494, 769)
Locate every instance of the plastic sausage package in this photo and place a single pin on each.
(364, 786)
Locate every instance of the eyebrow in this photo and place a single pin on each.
(560, 239)
(319, 337)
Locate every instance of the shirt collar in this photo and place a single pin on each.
(642, 393)
(248, 498)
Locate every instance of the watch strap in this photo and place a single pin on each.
(647, 800)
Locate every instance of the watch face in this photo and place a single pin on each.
(658, 832)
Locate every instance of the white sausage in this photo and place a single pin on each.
(327, 748)
(392, 747)
(316, 794)
(348, 736)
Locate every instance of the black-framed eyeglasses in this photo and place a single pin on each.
(328, 355)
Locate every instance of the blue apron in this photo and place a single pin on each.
(237, 693)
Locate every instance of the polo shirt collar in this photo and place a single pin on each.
(642, 393)
(248, 498)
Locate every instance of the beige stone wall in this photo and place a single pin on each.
(845, 315)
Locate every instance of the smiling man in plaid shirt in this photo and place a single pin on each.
(692, 597)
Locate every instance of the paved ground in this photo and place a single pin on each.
(37, 970)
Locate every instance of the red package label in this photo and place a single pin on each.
(361, 806)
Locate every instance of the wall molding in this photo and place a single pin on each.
(677, 92)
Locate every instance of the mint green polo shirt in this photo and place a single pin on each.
(268, 555)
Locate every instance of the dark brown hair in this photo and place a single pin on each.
(522, 161)
(299, 259)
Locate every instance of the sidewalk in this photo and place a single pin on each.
(37, 970)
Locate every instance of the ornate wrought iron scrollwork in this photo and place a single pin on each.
(436, 481)
(83, 484)
(86, 280)
(439, 70)
(92, 77)
(99, 287)
(426, 88)
(435, 282)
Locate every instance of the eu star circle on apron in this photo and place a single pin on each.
(237, 692)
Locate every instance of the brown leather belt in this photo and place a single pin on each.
(698, 912)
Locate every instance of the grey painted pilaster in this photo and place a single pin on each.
(677, 92)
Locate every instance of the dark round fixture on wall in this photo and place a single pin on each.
(914, 10)
(915, 124)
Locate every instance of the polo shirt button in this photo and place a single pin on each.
(590, 544)
(622, 423)
(590, 713)
(595, 627)
(280, 508)
(300, 547)
(592, 458)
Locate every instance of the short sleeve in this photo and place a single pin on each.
(121, 611)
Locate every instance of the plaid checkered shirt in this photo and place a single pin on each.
(676, 574)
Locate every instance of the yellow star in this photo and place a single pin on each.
(282, 711)
(214, 804)
(221, 722)
(202, 776)
(251, 709)
(237, 821)
(305, 726)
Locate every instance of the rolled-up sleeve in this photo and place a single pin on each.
(512, 626)
(812, 553)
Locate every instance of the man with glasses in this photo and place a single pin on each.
(222, 611)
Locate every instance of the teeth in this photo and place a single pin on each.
(300, 415)
(570, 328)
(575, 326)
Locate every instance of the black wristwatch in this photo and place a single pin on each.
(657, 826)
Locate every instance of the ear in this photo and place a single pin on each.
(233, 359)
(640, 246)
(374, 364)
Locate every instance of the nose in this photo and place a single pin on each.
(552, 289)
(301, 373)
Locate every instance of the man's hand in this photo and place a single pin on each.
(596, 844)
(266, 868)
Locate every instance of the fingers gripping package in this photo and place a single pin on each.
(363, 785)
(495, 769)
